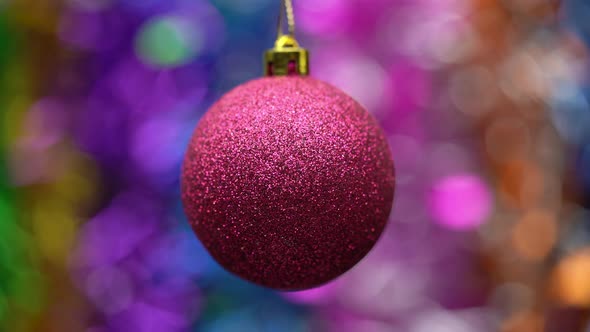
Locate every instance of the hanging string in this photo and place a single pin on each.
(286, 57)
(286, 8)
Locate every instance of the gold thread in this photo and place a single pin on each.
(286, 8)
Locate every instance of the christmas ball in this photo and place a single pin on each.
(288, 182)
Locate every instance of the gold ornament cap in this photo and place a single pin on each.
(286, 58)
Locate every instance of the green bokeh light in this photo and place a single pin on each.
(168, 42)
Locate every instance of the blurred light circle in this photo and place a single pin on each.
(524, 320)
(457, 45)
(571, 279)
(549, 148)
(432, 36)
(522, 77)
(441, 321)
(45, 123)
(446, 159)
(445, 38)
(110, 289)
(322, 16)
(536, 186)
(116, 231)
(131, 78)
(379, 287)
(168, 41)
(473, 90)
(511, 297)
(395, 33)
(28, 166)
(570, 112)
(460, 202)
(533, 186)
(171, 91)
(360, 76)
(413, 88)
(535, 234)
(54, 239)
(154, 147)
(508, 138)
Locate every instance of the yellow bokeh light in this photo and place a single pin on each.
(54, 226)
(78, 181)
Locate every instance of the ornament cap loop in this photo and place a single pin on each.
(286, 41)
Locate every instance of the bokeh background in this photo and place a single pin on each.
(485, 103)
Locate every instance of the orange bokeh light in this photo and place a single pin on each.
(571, 279)
(534, 235)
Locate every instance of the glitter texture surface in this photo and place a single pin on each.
(288, 182)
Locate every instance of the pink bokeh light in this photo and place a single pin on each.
(460, 202)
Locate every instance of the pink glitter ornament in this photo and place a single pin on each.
(288, 182)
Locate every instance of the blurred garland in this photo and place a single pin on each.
(39, 210)
(19, 291)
